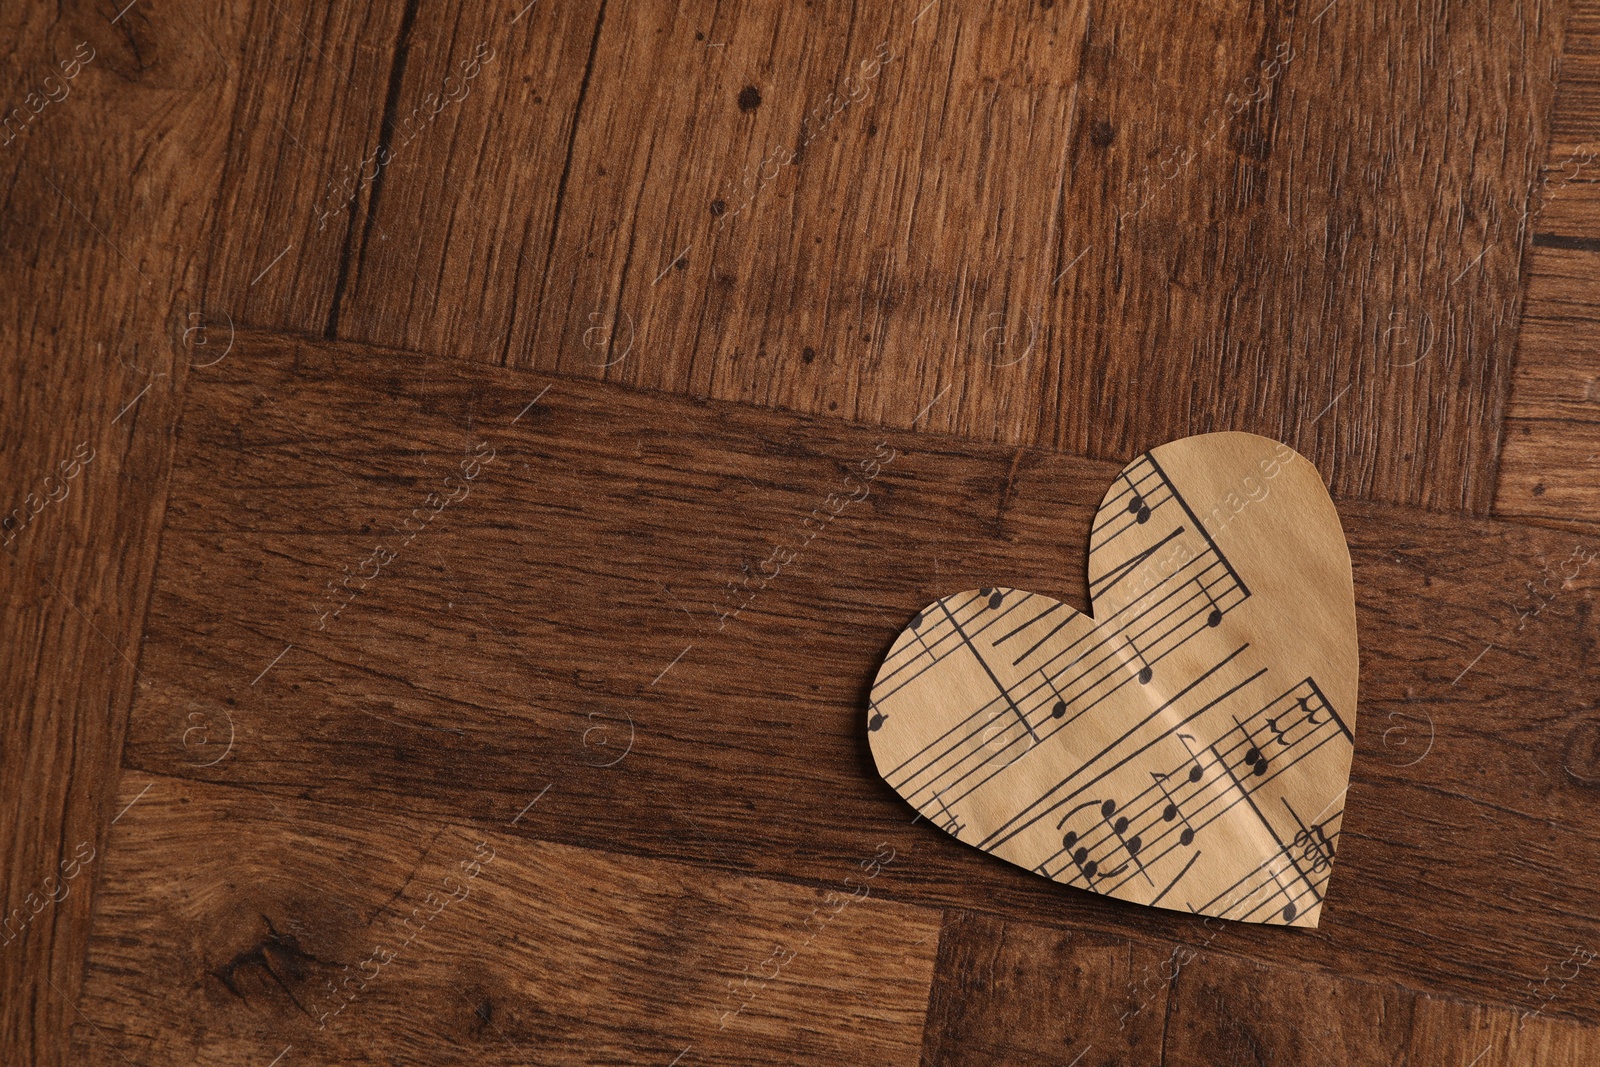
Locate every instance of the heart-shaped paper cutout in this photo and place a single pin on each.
(1191, 750)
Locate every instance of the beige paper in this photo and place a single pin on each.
(1190, 751)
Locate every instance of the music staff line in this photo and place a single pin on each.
(1193, 821)
(1023, 820)
(1311, 838)
(937, 651)
(1005, 694)
(1140, 507)
(1206, 585)
(1211, 544)
(1292, 903)
(1141, 511)
(1255, 757)
(1109, 623)
(1140, 503)
(1144, 511)
(1049, 691)
(1050, 696)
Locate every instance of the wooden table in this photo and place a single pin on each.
(405, 405)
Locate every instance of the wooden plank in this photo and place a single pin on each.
(1449, 1033)
(1228, 1010)
(110, 168)
(343, 108)
(1552, 429)
(1013, 992)
(303, 157)
(239, 927)
(1007, 992)
(1552, 435)
(451, 226)
(1036, 208)
(627, 603)
(1567, 202)
(125, 263)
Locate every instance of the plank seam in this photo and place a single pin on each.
(391, 104)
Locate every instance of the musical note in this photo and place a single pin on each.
(1147, 671)
(1214, 619)
(1079, 856)
(1075, 850)
(1315, 848)
(1173, 810)
(1290, 909)
(1137, 507)
(877, 720)
(951, 824)
(1256, 760)
(1309, 715)
(1119, 827)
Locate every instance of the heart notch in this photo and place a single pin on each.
(1188, 745)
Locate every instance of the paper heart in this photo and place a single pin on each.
(1191, 748)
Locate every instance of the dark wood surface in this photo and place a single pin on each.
(606, 512)
(659, 263)
(110, 197)
(1552, 428)
(297, 925)
(1086, 206)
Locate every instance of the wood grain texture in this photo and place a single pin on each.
(1227, 1010)
(341, 123)
(1552, 428)
(1567, 203)
(302, 159)
(1447, 1033)
(1013, 992)
(1007, 992)
(1270, 210)
(1020, 994)
(365, 937)
(1552, 440)
(110, 167)
(1045, 221)
(452, 227)
(486, 653)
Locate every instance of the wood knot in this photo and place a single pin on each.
(482, 1015)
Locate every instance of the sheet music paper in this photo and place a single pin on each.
(1189, 746)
